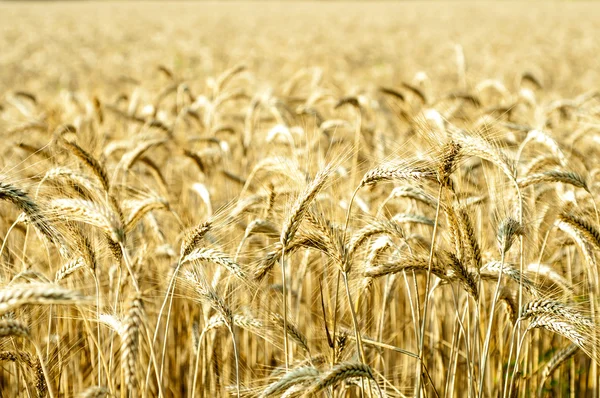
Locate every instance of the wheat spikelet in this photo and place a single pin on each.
(34, 214)
(376, 228)
(377, 249)
(330, 236)
(339, 373)
(549, 142)
(86, 249)
(565, 177)
(393, 93)
(15, 296)
(96, 168)
(114, 248)
(69, 268)
(268, 262)
(416, 91)
(415, 193)
(130, 337)
(32, 363)
(101, 174)
(300, 375)
(294, 391)
(94, 392)
(245, 322)
(316, 241)
(98, 109)
(292, 331)
(454, 232)
(539, 307)
(141, 208)
(564, 328)
(583, 228)
(58, 173)
(129, 158)
(194, 237)
(450, 155)
(209, 295)
(374, 389)
(301, 206)
(531, 78)
(466, 279)
(396, 172)
(226, 77)
(557, 359)
(18, 356)
(491, 270)
(112, 322)
(584, 235)
(90, 213)
(508, 230)
(26, 95)
(261, 226)
(412, 219)
(405, 264)
(216, 257)
(478, 146)
(64, 129)
(13, 328)
(539, 163)
(156, 172)
(565, 321)
(512, 308)
(469, 239)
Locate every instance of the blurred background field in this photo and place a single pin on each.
(93, 45)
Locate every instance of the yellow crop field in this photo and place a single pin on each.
(296, 199)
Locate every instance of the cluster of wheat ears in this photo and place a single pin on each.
(390, 242)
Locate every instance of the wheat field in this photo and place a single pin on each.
(294, 199)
